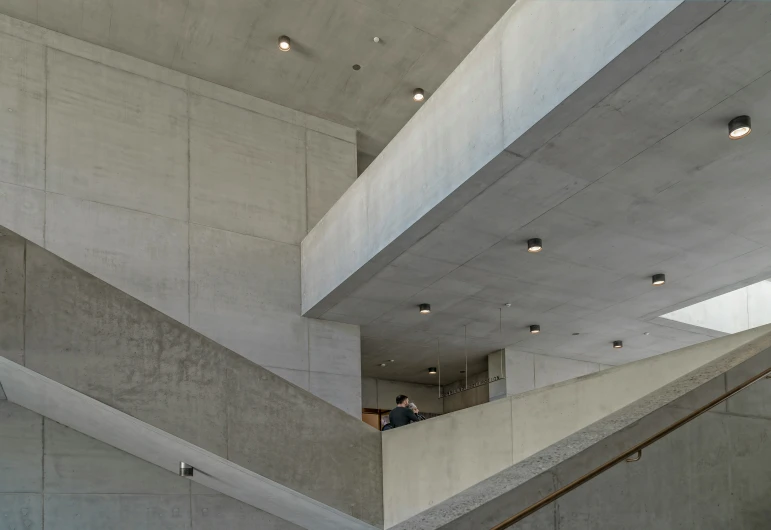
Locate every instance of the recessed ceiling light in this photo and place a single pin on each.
(534, 245)
(658, 279)
(284, 43)
(382, 364)
(432, 370)
(739, 127)
(391, 360)
(535, 328)
(507, 304)
(618, 344)
(425, 308)
(418, 94)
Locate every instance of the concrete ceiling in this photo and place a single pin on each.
(233, 43)
(646, 181)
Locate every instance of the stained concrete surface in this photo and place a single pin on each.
(12, 297)
(90, 485)
(97, 340)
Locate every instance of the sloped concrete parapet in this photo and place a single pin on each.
(89, 336)
(516, 488)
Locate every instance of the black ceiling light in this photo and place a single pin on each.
(418, 95)
(534, 245)
(618, 344)
(284, 43)
(535, 329)
(432, 370)
(739, 127)
(425, 308)
(658, 279)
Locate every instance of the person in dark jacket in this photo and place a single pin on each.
(402, 415)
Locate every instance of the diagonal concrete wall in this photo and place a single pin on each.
(77, 330)
(53, 477)
(451, 456)
(64, 405)
(517, 487)
(542, 66)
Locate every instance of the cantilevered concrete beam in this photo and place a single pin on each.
(540, 68)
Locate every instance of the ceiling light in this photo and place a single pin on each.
(284, 43)
(739, 127)
(535, 328)
(658, 279)
(534, 245)
(185, 470)
(432, 370)
(382, 364)
(507, 304)
(391, 360)
(618, 344)
(418, 94)
(425, 308)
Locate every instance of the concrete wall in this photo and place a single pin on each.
(77, 330)
(381, 394)
(52, 477)
(451, 456)
(476, 395)
(191, 197)
(525, 371)
(739, 310)
(712, 473)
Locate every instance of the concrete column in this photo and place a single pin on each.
(523, 371)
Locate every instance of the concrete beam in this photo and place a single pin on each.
(542, 66)
(97, 420)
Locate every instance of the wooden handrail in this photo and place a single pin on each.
(627, 456)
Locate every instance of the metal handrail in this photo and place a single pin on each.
(632, 455)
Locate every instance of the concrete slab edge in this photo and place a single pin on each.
(64, 405)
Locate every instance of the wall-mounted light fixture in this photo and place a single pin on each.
(185, 470)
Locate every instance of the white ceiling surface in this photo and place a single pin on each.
(234, 43)
(645, 182)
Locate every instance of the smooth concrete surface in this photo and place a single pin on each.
(87, 484)
(451, 456)
(234, 44)
(98, 420)
(525, 371)
(516, 488)
(738, 310)
(406, 193)
(381, 394)
(189, 196)
(86, 334)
